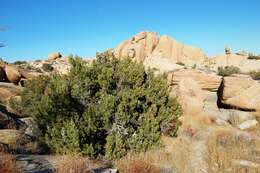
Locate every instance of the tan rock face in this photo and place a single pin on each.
(146, 45)
(241, 92)
(8, 90)
(12, 74)
(210, 82)
(54, 56)
(191, 96)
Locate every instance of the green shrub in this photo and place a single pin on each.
(255, 75)
(255, 57)
(105, 108)
(180, 63)
(47, 67)
(228, 70)
(19, 62)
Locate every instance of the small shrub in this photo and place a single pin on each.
(19, 62)
(8, 164)
(255, 75)
(73, 164)
(47, 67)
(105, 108)
(135, 165)
(254, 57)
(194, 66)
(180, 63)
(228, 70)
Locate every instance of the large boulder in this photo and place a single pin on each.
(207, 81)
(54, 56)
(145, 45)
(12, 74)
(240, 92)
(28, 74)
(8, 90)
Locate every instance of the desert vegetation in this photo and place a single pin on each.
(47, 67)
(228, 70)
(8, 164)
(103, 109)
(255, 75)
(228, 151)
(253, 56)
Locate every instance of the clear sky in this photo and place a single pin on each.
(83, 27)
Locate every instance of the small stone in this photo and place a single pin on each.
(247, 124)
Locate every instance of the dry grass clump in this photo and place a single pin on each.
(174, 157)
(73, 164)
(225, 147)
(8, 164)
(134, 164)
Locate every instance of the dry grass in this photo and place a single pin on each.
(73, 164)
(78, 164)
(8, 164)
(134, 164)
(174, 157)
(225, 146)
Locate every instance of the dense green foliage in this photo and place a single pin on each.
(228, 70)
(47, 67)
(103, 108)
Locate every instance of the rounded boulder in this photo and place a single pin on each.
(12, 74)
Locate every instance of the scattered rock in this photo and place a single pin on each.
(31, 127)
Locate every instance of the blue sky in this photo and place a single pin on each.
(83, 27)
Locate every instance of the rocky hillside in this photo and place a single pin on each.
(220, 113)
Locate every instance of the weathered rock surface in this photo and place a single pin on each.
(12, 74)
(18, 142)
(240, 92)
(7, 122)
(191, 96)
(207, 81)
(8, 90)
(146, 45)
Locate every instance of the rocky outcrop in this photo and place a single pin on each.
(190, 95)
(149, 45)
(240, 92)
(207, 81)
(54, 56)
(8, 90)
(238, 60)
